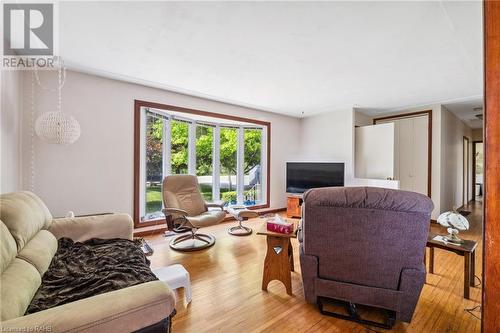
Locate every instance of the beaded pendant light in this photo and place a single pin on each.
(56, 126)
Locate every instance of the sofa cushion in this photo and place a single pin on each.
(40, 250)
(19, 283)
(8, 247)
(24, 214)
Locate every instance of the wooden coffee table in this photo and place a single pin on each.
(467, 250)
(278, 264)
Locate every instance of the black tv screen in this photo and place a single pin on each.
(302, 176)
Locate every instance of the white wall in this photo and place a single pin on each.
(95, 174)
(374, 151)
(329, 137)
(452, 132)
(361, 119)
(477, 134)
(11, 109)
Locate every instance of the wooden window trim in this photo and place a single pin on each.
(138, 104)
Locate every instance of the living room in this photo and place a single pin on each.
(375, 115)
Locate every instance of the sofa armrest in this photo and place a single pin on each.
(80, 229)
(123, 310)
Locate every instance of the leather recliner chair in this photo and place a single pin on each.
(186, 211)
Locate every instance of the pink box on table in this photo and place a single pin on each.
(279, 226)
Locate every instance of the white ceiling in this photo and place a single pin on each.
(465, 111)
(285, 57)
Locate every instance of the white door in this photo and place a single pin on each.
(406, 156)
(421, 154)
(411, 153)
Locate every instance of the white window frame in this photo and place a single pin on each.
(166, 149)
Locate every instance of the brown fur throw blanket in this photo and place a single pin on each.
(96, 266)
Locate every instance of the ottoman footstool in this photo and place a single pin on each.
(175, 276)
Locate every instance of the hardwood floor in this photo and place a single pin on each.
(227, 296)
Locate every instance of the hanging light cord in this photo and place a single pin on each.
(59, 87)
(32, 134)
(61, 77)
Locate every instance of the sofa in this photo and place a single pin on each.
(29, 241)
(365, 246)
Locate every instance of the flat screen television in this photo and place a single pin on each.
(302, 176)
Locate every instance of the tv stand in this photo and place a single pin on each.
(294, 205)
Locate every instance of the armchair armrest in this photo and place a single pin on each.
(170, 215)
(123, 310)
(80, 229)
(216, 204)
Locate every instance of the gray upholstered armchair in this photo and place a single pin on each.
(186, 211)
(364, 246)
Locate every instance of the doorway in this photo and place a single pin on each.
(465, 179)
(477, 171)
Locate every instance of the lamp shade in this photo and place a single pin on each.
(57, 127)
(454, 220)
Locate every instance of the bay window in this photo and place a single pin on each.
(229, 155)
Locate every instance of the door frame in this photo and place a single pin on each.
(474, 168)
(465, 171)
(491, 151)
(429, 139)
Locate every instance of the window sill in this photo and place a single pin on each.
(159, 225)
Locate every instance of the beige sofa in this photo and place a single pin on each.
(29, 241)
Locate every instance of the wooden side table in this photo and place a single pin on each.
(467, 250)
(294, 206)
(278, 264)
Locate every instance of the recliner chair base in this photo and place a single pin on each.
(192, 242)
(240, 230)
(354, 315)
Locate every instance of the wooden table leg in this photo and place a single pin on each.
(431, 260)
(290, 256)
(467, 275)
(472, 268)
(277, 263)
(425, 263)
